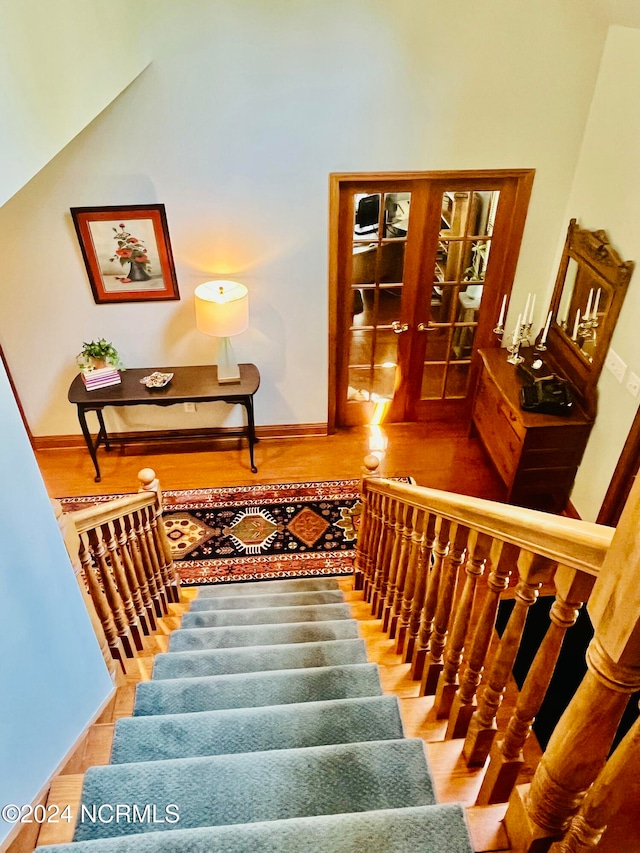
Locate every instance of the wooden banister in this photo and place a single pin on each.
(572, 542)
(580, 743)
(127, 566)
(415, 543)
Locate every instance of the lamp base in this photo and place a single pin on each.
(228, 370)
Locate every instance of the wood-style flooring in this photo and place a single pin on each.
(434, 456)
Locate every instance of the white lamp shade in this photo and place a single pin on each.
(222, 308)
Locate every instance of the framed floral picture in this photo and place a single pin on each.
(127, 252)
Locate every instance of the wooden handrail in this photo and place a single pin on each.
(568, 541)
(103, 513)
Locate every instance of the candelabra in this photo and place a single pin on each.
(517, 339)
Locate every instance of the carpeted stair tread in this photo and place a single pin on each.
(265, 616)
(428, 829)
(273, 587)
(258, 786)
(254, 689)
(283, 599)
(241, 636)
(156, 738)
(259, 658)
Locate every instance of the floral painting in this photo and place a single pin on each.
(127, 253)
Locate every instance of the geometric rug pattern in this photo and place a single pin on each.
(265, 531)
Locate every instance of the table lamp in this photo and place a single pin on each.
(222, 310)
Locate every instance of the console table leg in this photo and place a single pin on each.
(102, 435)
(82, 418)
(251, 430)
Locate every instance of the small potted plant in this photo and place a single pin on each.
(97, 354)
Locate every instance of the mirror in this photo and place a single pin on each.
(590, 287)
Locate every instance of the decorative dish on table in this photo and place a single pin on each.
(157, 379)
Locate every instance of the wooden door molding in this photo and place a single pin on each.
(623, 477)
(516, 183)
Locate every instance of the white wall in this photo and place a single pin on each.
(605, 195)
(235, 127)
(60, 64)
(52, 674)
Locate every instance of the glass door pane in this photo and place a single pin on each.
(381, 222)
(464, 242)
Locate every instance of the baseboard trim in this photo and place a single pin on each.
(272, 431)
(24, 836)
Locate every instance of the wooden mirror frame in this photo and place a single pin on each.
(594, 255)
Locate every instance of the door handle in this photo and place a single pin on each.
(399, 327)
(425, 327)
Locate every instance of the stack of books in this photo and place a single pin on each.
(100, 378)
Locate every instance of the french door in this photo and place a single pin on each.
(419, 265)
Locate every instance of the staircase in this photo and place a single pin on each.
(265, 728)
(268, 721)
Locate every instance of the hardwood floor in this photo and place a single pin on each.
(435, 456)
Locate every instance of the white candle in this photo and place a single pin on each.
(545, 331)
(517, 330)
(529, 320)
(575, 325)
(502, 310)
(526, 309)
(587, 313)
(594, 316)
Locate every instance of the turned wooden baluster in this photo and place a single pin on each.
(167, 570)
(403, 578)
(396, 585)
(99, 553)
(506, 756)
(150, 483)
(143, 567)
(73, 543)
(390, 558)
(384, 535)
(444, 610)
(389, 520)
(360, 562)
(580, 743)
(422, 579)
(373, 541)
(533, 571)
(478, 545)
(122, 584)
(102, 608)
(439, 551)
(137, 582)
(621, 775)
(502, 559)
(150, 558)
(411, 583)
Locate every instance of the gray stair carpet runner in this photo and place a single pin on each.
(265, 730)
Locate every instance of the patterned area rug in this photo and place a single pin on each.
(258, 532)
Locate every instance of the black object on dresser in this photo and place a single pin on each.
(536, 455)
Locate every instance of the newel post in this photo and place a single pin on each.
(541, 813)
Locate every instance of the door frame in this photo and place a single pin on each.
(343, 184)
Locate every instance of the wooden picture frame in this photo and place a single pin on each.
(127, 252)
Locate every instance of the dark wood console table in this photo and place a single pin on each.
(189, 385)
(536, 455)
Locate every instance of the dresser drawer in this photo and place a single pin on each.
(498, 429)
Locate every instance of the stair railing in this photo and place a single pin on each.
(443, 562)
(126, 566)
